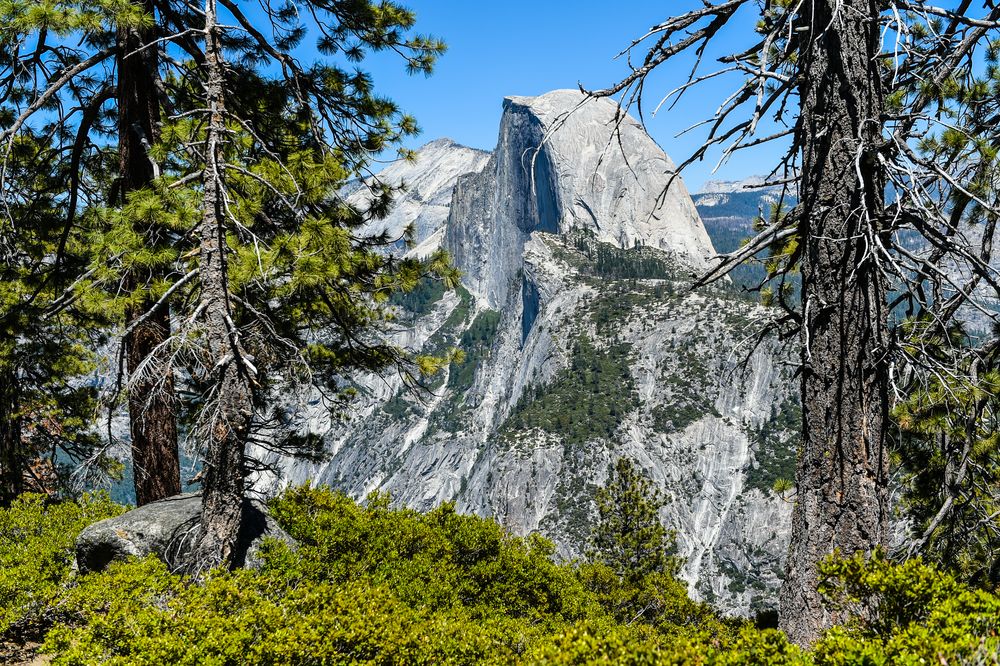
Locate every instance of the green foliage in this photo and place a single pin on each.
(440, 559)
(584, 401)
(949, 449)
(599, 259)
(775, 446)
(369, 584)
(248, 618)
(618, 300)
(692, 389)
(420, 300)
(782, 485)
(676, 416)
(307, 294)
(628, 536)
(305, 286)
(46, 344)
(908, 613)
(366, 584)
(586, 644)
(475, 343)
(36, 540)
(65, 17)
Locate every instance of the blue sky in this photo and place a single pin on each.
(528, 47)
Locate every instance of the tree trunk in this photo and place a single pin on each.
(12, 460)
(842, 470)
(152, 416)
(226, 421)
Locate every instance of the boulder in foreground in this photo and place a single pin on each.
(169, 529)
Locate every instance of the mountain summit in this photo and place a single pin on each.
(565, 163)
(428, 182)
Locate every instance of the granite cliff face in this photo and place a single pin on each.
(583, 343)
(560, 167)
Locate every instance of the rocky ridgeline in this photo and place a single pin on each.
(583, 343)
(426, 199)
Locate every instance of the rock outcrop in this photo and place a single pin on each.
(168, 529)
(562, 166)
(583, 343)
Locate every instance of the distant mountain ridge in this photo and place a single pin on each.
(729, 211)
(426, 200)
(750, 183)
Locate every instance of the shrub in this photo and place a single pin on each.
(440, 559)
(36, 554)
(250, 618)
(367, 584)
(370, 584)
(909, 613)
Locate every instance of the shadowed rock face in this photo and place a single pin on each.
(168, 529)
(580, 348)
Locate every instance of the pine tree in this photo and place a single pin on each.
(47, 442)
(151, 398)
(628, 536)
(52, 143)
(274, 285)
(890, 132)
(949, 452)
(58, 81)
(209, 195)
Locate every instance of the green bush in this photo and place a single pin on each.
(36, 554)
(250, 618)
(436, 560)
(909, 613)
(369, 584)
(366, 584)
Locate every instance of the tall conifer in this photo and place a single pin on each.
(890, 156)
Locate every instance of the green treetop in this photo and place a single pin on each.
(628, 536)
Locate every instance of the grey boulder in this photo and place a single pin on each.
(168, 529)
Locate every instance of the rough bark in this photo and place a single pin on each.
(226, 423)
(11, 455)
(841, 476)
(151, 400)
